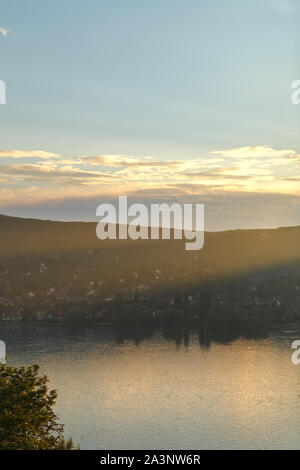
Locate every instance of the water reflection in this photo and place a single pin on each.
(181, 336)
(172, 389)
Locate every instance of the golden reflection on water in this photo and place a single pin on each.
(161, 395)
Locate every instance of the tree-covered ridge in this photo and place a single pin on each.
(61, 272)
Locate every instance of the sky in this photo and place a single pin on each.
(161, 101)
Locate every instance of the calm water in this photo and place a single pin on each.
(165, 394)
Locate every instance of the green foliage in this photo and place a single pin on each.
(27, 419)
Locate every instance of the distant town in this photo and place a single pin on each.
(76, 289)
(241, 280)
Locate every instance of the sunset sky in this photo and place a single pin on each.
(161, 101)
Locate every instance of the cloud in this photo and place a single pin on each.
(217, 174)
(291, 178)
(45, 174)
(240, 170)
(4, 31)
(256, 152)
(27, 153)
(123, 161)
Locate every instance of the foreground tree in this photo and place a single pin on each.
(27, 419)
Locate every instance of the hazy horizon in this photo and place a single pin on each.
(95, 221)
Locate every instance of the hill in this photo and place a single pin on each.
(60, 270)
(225, 252)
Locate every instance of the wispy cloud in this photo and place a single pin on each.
(124, 161)
(218, 174)
(262, 151)
(27, 153)
(38, 171)
(4, 31)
